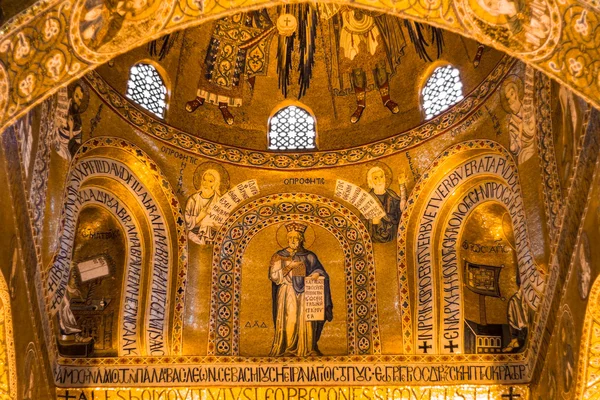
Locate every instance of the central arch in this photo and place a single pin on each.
(234, 237)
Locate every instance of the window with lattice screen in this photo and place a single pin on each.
(292, 128)
(442, 90)
(146, 88)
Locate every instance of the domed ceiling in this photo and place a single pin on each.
(415, 50)
(178, 255)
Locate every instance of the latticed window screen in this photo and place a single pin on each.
(442, 90)
(146, 87)
(292, 128)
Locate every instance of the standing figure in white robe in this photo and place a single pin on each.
(295, 335)
(202, 229)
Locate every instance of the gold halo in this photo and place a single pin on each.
(217, 167)
(389, 175)
(309, 235)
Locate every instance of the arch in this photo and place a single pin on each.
(8, 383)
(562, 45)
(233, 238)
(130, 343)
(152, 194)
(588, 374)
(487, 190)
(479, 158)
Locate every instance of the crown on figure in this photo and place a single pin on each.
(296, 226)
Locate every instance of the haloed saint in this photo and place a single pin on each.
(296, 333)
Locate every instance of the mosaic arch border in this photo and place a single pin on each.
(89, 203)
(42, 49)
(487, 146)
(362, 323)
(181, 257)
(145, 122)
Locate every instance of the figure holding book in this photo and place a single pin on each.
(290, 269)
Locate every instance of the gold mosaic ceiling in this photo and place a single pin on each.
(182, 69)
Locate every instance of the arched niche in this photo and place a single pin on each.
(100, 255)
(465, 175)
(112, 173)
(488, 266)
(229, 269)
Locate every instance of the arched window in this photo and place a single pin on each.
(146, 88)
(292, 128)
(442, 90)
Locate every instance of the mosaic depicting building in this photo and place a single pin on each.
(291, 200)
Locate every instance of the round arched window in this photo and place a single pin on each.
(292, 128)
(146, 88)
(442, 90)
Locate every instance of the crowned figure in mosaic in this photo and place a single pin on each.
(295, 333)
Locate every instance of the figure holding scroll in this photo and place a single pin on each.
(202, 229)
(296, 334)
(384, 230)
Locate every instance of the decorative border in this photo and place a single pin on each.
(403, 282)
(564, 243)
(361, 300)
(169, 193)
(547, 155)
(41, 168)
(400, 142)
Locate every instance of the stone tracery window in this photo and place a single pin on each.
(442, 90)
(147, 88)
(292, 128)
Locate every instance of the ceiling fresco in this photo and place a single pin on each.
(168, 252)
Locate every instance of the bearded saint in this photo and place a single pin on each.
(385, 229)
(295, 335)
(202, 229)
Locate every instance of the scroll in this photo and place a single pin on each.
(314, 299)
(221, 209)
(369, 207)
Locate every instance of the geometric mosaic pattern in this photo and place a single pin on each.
(292, 128)
(146, 87)
(443, 89)
(362, 324)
